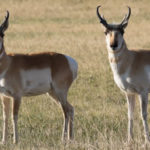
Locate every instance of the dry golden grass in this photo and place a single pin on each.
(72, 27)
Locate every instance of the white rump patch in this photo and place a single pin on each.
(73, 66)
(36, 81)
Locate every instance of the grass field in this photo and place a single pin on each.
(72, 27)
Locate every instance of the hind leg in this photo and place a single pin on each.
(68, 123)
(71, 120)
(68, 112)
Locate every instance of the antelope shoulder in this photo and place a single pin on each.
(122, 80)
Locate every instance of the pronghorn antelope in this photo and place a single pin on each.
(131, 70)
(35, 74)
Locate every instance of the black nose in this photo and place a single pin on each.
(114, 45)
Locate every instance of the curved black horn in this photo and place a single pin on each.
(5, 23)
(102, 20)
(127, 16)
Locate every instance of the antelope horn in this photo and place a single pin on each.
(4, 25)
(102, 20)
(127, 16)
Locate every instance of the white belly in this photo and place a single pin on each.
(36, 81)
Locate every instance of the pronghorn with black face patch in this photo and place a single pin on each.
(131, 70)
(34, 74)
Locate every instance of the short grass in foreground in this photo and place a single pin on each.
(72, 27)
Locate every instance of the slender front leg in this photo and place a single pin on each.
(131, 105)
(6, 107)
(144, 102)
(15, 109)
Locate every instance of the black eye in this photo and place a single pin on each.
(105, 33)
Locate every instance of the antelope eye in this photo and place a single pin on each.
(106, 32)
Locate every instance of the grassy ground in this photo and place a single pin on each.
(72, 27)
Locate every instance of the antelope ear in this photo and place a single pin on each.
(103, 27)
(105, 30)
(124, 25)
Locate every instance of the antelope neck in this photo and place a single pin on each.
(114, 56)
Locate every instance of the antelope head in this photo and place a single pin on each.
(114, 32)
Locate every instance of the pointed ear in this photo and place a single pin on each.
(5, 24)
(125, 24)
(105, 30)
(103, 27)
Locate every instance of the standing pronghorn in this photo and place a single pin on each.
(29, 75)
(131, 70)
